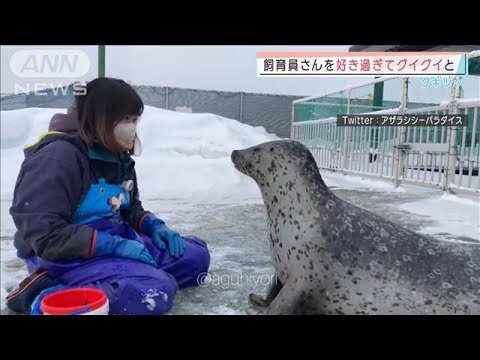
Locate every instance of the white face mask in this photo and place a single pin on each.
(124, 133)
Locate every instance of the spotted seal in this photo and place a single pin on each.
(331, 257)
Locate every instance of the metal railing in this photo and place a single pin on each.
(447, 157)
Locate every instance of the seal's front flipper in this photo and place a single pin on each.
(272, 292)
(253, 310)
(287, 302)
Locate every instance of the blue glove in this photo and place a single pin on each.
(163, 236)
(108, 244)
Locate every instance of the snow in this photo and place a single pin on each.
(13, 271)
(185, 155)
(464, 101)
(452, 215)
(473, 54)
(358, 182)
(186, 176)
(18, 128)
(472, 202)
(149, 298)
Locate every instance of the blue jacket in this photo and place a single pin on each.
(54, 178)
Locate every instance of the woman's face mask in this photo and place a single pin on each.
(125, 131)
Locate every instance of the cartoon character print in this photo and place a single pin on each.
(102, 201)
(116, 201)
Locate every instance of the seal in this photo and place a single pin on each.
(331, 257)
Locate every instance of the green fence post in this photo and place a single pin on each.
(101, 60)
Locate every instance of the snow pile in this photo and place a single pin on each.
(186, 156)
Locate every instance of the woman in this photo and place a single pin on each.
(78, 214)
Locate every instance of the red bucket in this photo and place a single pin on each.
(76, 301)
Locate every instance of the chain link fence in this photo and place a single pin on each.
(273, 112)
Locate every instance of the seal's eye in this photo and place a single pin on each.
(271, 149)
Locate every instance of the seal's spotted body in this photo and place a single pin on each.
(332, 257)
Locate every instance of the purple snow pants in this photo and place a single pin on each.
(132, 287)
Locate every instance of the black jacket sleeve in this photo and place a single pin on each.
(46, 195)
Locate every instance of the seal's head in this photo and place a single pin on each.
(278, 164)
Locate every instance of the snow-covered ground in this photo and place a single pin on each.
(186, 177)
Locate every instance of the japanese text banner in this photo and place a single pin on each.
(361, 63)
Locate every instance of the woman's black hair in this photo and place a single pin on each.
(104, 103)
